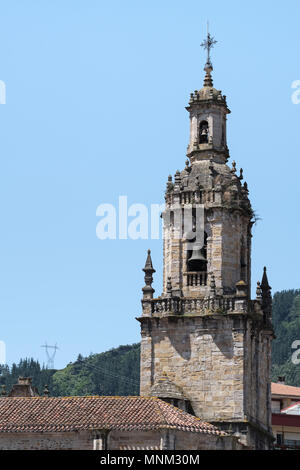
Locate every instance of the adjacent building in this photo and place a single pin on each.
(286, 415)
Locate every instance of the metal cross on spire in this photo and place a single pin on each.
(208, 44)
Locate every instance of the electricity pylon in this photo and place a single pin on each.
(50, 355)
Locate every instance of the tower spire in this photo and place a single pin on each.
(208, 44)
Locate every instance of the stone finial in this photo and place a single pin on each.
(241, 297)
(246, 187)
(233, 169)
(46, 391)
(148, 291)
(258, 292)
(3, 391)
(241, 177)
(177, 180)
(208, 81)
(241, 289)
(187, 166)
(169, 287)
(169, 184)
(212, 285)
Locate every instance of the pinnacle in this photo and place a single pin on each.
(148, 264)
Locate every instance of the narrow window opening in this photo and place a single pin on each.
(203, 132)
(243, 263)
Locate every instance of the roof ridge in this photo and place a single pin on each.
(82, 396)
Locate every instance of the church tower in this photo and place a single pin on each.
(206, 346)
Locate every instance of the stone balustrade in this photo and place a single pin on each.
(189, 306)
(195, 279)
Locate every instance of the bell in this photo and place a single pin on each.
(196, 258)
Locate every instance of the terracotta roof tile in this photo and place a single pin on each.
(42, 414)
(285, 390)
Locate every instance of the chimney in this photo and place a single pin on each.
(24, 388)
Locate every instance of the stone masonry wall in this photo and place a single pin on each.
(257, 373)
(202, 355)
(224, 252)
(116, 440)
(46, 441)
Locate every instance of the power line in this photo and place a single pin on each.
(109, 373)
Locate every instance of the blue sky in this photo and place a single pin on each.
(95, 108)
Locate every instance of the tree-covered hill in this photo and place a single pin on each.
(117, 372)
(286, 321)
(26, 368)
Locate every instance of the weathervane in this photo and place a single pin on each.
(208, 44)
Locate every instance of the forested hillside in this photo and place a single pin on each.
(116, 372)
(286, 321)
(26, 368)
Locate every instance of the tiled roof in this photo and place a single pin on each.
(285, 390)
(54, 414)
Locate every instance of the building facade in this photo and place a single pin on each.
(286, 415)
(205, 344)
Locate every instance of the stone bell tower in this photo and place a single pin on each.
(206, 346)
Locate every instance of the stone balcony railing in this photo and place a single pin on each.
(188, 306)
(195, 279)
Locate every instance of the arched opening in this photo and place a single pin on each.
(197, 257)
(203, 132)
